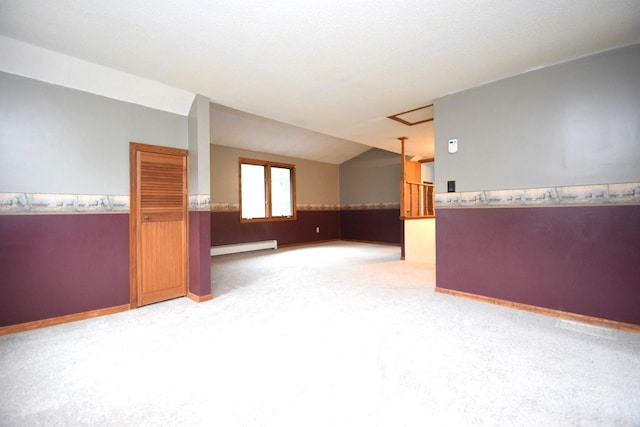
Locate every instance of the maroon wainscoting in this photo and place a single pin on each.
(226, 228)
(583, 260)
(54, 265)
(200, 252)
(371, 225)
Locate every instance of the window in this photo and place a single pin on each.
(267, 190)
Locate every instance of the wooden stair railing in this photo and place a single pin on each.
(418, 200)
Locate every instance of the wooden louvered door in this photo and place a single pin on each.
(158, 223)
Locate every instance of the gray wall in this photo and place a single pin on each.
(199, 147)
(372, 177)
(59, 140)
(576, 123)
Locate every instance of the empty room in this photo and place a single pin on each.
(320, 214)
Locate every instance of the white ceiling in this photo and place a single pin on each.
(336, 67)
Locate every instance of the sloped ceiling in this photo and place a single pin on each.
(334, 67)
(239, 129)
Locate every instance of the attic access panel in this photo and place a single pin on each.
(415, 116)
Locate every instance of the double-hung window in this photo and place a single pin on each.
(267, 190)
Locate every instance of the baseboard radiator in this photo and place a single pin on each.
(243, 247)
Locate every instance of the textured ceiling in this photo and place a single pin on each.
(335, 67)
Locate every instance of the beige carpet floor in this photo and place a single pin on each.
(335, 334)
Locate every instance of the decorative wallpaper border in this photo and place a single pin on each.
(200, 202)
(225, 207)
(318, 207)
(370, 206)
(12, 203)
(235, 207)
(62, 203)
(604, 194)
